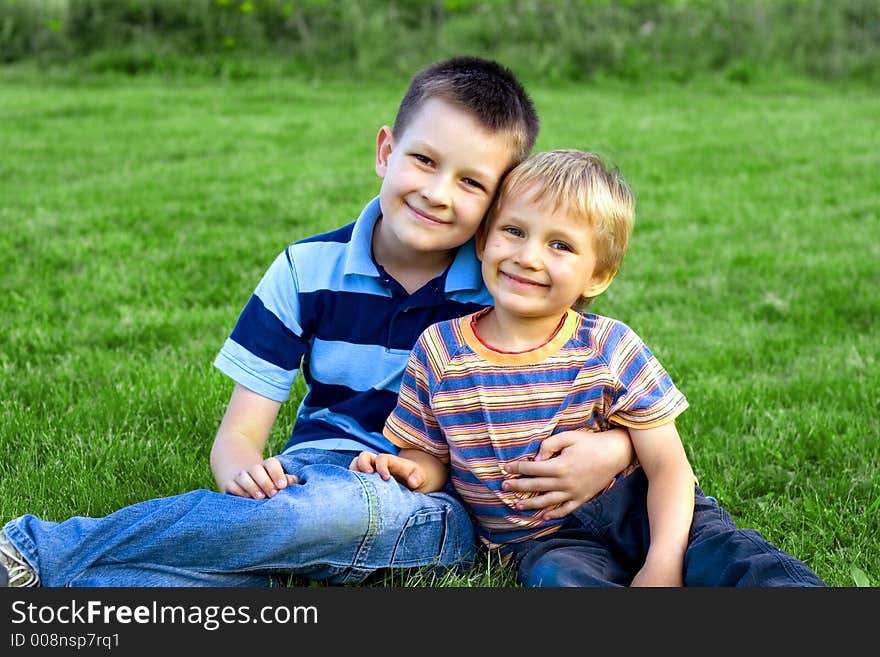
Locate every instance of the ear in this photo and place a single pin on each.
(384, 145)
(597, 285)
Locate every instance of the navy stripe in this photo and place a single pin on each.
(259, 331)
(369, 319)
(370, 407)
(342, 234)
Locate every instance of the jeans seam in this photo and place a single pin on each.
(373, 518)
(444, 516)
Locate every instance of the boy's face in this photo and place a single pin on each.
(538, 261)
(438, 178)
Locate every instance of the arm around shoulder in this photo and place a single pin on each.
(571, 468)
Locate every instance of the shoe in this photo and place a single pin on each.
(14, 569)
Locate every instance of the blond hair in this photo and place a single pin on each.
(580, 183)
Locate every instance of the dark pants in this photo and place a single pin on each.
(605, 541)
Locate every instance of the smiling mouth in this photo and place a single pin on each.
(523, 281)
(424, 216)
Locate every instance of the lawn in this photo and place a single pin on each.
(138, 214)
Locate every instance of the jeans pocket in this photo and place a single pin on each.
(422, 540)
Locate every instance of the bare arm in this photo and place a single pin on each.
(237, 454)
(415, 469)
(670, 504)
(571, 468)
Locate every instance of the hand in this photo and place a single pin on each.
(409, 473)
(656, 574)
(571, 468)
(260, 480)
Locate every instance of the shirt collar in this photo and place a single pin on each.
(464, 274)
(359, 256)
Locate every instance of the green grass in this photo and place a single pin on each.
(139, 214)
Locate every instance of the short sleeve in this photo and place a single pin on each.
(412, 424)
(266, 346)
(644, 394)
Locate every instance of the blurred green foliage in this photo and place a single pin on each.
(551, 39)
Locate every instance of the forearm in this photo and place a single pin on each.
(670, 512)
(435, 471)
(617, 451)
(243, 433)
(601, 455)
(670, 503)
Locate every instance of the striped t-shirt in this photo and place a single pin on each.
(327, 309)
(475, 407)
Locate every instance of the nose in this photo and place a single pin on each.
(437, 191)
(528, 255)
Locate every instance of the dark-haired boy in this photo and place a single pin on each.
(344, 309)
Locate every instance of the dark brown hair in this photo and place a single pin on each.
(484, 88)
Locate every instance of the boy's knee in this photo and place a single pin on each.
(543, 571)
(329, 501)
(556, 568)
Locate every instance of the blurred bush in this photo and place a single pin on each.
(556, 39)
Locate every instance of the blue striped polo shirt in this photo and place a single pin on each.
(327, 309)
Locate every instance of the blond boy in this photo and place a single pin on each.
(484, 391)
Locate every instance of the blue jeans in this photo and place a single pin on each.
(336, 525)
(605, 541)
